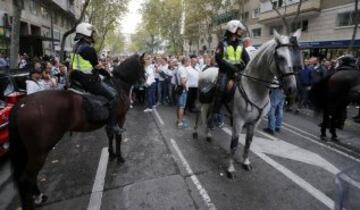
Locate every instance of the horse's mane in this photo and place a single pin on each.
(263, 55)
(129, 70)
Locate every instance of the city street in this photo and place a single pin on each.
(166, 168)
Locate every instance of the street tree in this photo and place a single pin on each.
(105, 16)
(18, 6)
(115, 42)
(283, 16)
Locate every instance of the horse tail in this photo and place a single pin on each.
(18, 153)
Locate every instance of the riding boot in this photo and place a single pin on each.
(112, 125)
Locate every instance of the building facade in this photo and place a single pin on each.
(43, 22)
(327, 25)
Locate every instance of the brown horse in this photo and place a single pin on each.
(39, 121)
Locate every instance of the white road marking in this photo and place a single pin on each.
(203, 193)
(292, 176)
(98, 187)
(284, 149)
(287, 127)
(158, 117)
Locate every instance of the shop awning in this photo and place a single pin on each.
(329, 44)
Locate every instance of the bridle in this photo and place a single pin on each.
(293, 45)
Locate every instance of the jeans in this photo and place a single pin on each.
(150, 95)
(181, 100)
(172, 98)
(163, 91)
(275, 115)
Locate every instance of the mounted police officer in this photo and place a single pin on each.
(86, 70)
(231, 57)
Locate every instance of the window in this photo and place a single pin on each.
(245, 16)
(346, 18)
(256, 32)
(300, 24)
(256, 12)
(277, 28)
(277, 3)
(44, 11)
(32, 7)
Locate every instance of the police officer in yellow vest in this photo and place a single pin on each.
(86, 70)
(231, 57)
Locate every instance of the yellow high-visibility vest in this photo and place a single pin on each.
(231, 55)
(80, 64)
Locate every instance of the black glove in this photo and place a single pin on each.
(102, 72)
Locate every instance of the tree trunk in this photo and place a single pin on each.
(351, 47)
(72, 30)
(15, 33)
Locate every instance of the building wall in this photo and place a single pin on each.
(37, 15)
(321, 23)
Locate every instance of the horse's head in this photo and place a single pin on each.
(131, 70)
(288, 60)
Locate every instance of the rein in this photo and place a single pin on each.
(293, 44)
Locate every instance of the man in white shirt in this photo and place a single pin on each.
(193, 82)
(181, 92)
(248, 46)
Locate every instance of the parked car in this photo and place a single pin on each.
(9, 95)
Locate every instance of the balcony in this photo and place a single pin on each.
(308, 8)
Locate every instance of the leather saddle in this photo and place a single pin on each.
(96, 107)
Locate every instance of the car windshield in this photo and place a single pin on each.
(6, 86)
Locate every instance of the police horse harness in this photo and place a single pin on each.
(277, 57)
(40, 120)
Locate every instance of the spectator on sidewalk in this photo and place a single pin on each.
(3, 62)
(275, 115)
(318, 70)
(149, 83)
(304, 81)
(172, 84)
(181, 92)
(250, 49)
(193, 82)
(34, 84)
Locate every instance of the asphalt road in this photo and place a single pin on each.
(166, 168)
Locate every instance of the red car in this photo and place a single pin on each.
(8, 97)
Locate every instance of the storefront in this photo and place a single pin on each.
(328, 49)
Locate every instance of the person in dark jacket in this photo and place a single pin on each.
(86, 69)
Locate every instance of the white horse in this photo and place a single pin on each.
(277, 57)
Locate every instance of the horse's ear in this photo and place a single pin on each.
(297, 34)
(142, 56)
(276, 36)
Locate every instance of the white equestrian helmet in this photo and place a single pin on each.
(233, 25)
(85, 29)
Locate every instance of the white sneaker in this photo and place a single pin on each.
(148, 110)
(131, 106)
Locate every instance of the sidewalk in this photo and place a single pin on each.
(349, 122)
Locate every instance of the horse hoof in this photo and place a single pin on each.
(41, 199)
(112, 156)
(195, 135)
(120, 160)
(247, 167)
(323, 138)
(208, 139)
(230, 174)
(335, 139)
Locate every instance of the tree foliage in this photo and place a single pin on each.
(105, 16)
(161, 21)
